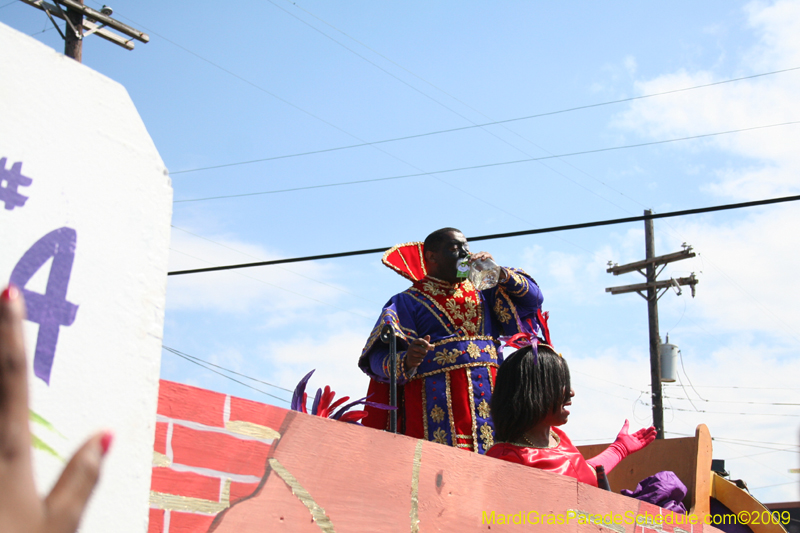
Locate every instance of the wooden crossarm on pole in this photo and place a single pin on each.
(88, 26)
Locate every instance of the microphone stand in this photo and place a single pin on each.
(388, 336)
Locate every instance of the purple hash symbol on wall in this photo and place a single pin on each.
(10, 180)
(50, 310)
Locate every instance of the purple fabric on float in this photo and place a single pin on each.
(663, 489)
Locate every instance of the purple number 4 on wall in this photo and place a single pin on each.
(50, 310)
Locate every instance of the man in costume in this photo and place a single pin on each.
(448, 347)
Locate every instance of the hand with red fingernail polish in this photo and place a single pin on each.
(22, 510)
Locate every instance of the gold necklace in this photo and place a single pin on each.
(552, 434)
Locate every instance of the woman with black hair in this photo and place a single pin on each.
(531, 396)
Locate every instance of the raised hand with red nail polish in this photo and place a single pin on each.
(21, 508)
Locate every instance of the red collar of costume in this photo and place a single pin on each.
(407, 260)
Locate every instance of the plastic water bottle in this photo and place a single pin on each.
(484, 274)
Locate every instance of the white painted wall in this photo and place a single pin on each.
(95, 170)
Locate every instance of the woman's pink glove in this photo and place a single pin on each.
(623, 446)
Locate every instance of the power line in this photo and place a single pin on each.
(727, 413)
(737, 387)
(734, 401)
(489, 165)
(482, 125)
(506, 235)
(760, 444)
(460, 115)
(279, 287)
(334, 287)
(595, 378)
(775, 485)
(266, 91)
(224, 375)
(178, 352)
(725, 439)
(323, 120)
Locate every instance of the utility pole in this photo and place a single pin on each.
(652, 326)
(652, 287)
(73, 38)
(82, 21)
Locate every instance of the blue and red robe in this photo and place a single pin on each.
(447, 398)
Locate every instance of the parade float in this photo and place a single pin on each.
(226, 464)
(87, 205)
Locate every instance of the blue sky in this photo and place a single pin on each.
(274, 78)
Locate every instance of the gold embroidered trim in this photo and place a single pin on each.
(483, 409)
(440, 436)
(414, 512)
(487, 436)
(452, 313)
(471, 399)
(447, 358)
(394, 320)
(521, 279)
(491, 381)
(456, 367)
(318, 514)
(450, 408)
(424, 418)
(473, 350)
(465, 446)
(437, 414)
(445, 312)
(501, 312)
(491, 350)
(431, 288)
(428, 307)
(401, 367)
(465, 437)
(464, 339)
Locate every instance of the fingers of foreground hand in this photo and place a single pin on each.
(67, 500)
(14, 432)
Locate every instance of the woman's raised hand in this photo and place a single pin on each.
(21, 508)
(635, 442)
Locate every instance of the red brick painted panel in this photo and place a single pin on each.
(169, 481)
(183, 402)
(161, 437)
(156, 524)
(257, 413)
(189, 523)
(242, 490)
(218, 451)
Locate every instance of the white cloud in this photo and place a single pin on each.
(279, 292)
(774, 158)
(749, 281)
(334, 355)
